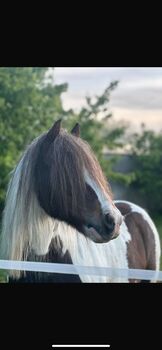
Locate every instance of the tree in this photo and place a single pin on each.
(148, 175)
(95, 127)
(27, 108)
(30, 102)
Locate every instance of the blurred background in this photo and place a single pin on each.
(120, 113)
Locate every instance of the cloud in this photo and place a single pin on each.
(74, 72)
(138, 98)
(138, 94)
(73, 101)
(122, 73)
(152, 119)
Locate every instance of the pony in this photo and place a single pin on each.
(59, 208)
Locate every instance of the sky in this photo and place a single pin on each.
(136, 100)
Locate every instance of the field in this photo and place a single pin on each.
(2, 276)
(158, 223)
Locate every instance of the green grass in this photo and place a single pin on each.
(158, 222)
(3, 276)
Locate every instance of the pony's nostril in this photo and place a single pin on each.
(109, 222)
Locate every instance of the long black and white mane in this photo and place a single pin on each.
(59, 208)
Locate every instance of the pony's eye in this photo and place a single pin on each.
(90, 193)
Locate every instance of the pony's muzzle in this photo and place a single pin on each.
(109, 223)
(112, 225)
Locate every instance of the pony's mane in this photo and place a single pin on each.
(25, 225)
(67, 160)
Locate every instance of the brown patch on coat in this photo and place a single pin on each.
(56, 255)
(124, 208)
(141, 248)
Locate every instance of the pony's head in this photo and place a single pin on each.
(71, 187)
(58, 186)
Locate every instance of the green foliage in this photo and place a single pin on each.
(27, 108)
(95, 128)
(148, 175)
(158, 222)
(30, 102)
(125, 179)
(3, 276)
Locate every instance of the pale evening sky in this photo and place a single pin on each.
(137, 99)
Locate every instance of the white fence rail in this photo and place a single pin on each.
(81, 270)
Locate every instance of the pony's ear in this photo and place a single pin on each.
(76, 130)
(54, 131)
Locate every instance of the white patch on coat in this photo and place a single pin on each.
(137, 209)
(87, 253)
